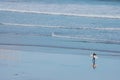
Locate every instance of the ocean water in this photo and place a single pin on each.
(60, 30)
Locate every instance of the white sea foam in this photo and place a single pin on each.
(83, 38)
(64, 14)
(64, 27)
(78, 10)
(31, 25)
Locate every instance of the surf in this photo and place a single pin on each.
(63, 14)
(62, 27)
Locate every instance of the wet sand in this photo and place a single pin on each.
(29, 65)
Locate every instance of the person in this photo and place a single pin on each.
(94, 56)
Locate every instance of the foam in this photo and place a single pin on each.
(64, 27)
(64, 14)
(30, 25)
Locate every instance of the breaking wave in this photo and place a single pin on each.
(64, 14)
(85, 38)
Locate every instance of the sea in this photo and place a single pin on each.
(53, 39)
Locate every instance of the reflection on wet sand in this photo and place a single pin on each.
(94, 64)
(10, 55)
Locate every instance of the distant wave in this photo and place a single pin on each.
(73, 38)
(64, 14)
(31, 25)
(62, 47)
(64, 27)
(86, 39)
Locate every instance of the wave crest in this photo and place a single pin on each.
(64, 27)
(64, 14)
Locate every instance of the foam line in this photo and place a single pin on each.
(31, 25)
(64, 27)
(64, 14)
